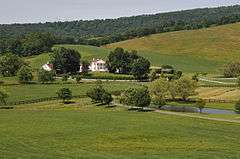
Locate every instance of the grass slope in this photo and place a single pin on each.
(81, 130)
(205, 50)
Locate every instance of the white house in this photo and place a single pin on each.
(97, 65)
(48, 67)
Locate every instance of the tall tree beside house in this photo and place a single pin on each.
(10, 64)
(140, 68)
(65, 60)
(85, 66)
(121, 60)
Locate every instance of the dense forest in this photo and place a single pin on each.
(100, 32)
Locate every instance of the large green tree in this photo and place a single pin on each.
(65, 60)
(186, 87)
(140, 68)
(121, 60)
(10, 64)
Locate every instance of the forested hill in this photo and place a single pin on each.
(113, 30)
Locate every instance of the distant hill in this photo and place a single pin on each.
(128, 27)
(204, 50)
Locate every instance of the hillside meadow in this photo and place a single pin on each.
(83, 130)
(204, 50)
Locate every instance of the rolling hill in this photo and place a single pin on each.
(204, 50)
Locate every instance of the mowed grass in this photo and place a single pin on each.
(81, 130)
(39, 91)
(205, 50)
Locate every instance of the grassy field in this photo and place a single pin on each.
(205, 50)
(38, 91)
(81, 130)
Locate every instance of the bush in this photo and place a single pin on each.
(25, 75)
(99, 95)
(237, 107)
(65, 94)
(46, 76)
(136, 97)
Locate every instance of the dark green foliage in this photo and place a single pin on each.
(65, 60)
(85, 67)
(3, 97)
(65, 94)
(46, 76)
(65, 77)
(136, 97)
(25, 74)
(99, 95)
(121, 60)
(200, 104)
(10, 64)
(78, 78)
(140, 68)
(31, 44)
(106, 98)
(113, 30)
(237, 107)
(232, 69)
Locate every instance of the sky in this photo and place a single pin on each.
(33, 11)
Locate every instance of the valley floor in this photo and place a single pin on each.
(84, 130)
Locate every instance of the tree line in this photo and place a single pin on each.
(27, 45)
(101, 32)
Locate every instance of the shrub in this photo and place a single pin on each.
(25, 75)
(46, 76)
(99, 95)
(136, 97)
(65, 94)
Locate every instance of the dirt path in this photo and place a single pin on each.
(198, 117)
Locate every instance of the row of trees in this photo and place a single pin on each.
(100, 32)
(27, 45)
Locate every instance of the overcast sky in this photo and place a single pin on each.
(29, 11)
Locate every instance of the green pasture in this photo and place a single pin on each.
(82, 130)
(204, 50)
